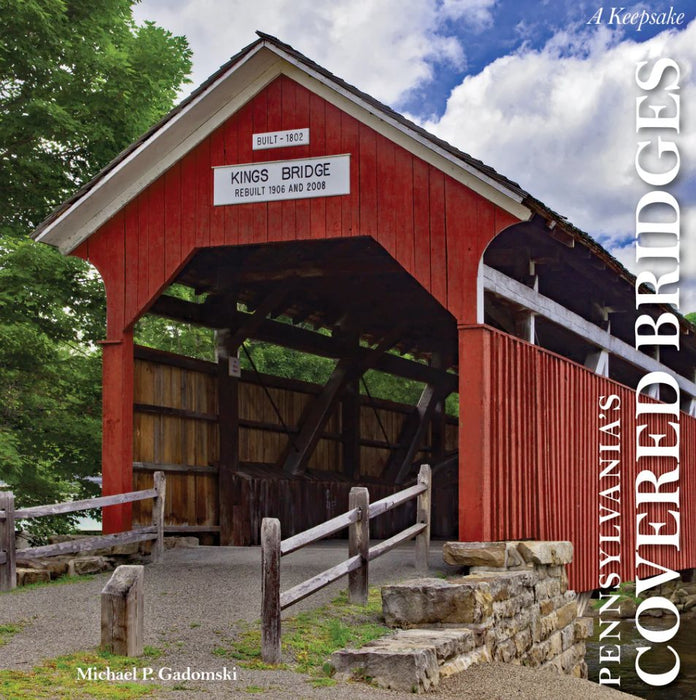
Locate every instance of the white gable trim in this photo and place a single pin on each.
(227, 95)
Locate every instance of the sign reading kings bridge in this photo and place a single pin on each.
(324, 176)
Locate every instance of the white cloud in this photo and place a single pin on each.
(384, 47)
(561, 122)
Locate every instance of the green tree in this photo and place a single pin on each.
(78, 82)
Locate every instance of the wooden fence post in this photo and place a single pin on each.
(8, 571)
(158, 514)
(122, 612)
(359, 543)
(270, 591)
(423, 516)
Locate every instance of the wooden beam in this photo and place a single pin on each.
(411, 435)
(251, 322)
(508, 288)
(228, 430)
(289, 336)
(347, 370)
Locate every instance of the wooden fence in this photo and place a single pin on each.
(357, 519)
(8, 516)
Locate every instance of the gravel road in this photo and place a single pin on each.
(194, 598)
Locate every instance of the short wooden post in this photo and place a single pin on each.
(158, 515)
(359, 543)
(122, 612)
(270, 591)
(423, 516)
(8, 571)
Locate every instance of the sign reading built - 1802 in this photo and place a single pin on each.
(324, 176)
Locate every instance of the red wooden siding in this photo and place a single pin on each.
(435, 227)
(540, 473)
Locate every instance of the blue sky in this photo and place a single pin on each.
(529, 87)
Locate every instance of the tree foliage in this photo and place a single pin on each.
(78, 82)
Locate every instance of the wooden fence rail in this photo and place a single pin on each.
(357, 519)
(8, 516)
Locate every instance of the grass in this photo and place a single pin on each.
(57, 679)
(6, 631)
(309, 638)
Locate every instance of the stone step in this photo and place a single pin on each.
(409, 660)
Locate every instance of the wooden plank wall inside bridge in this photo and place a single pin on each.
(176, 425)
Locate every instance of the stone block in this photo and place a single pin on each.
(410, 670)
(124, 550)
(546, 607)
(689, 603)
(523, 641)
(464, 661)
(513, 606)
(549, 588)
(567, 614)
(488, 554)
(568, 636)
(88, 565)
(27, 576)
(583, 628)
(505, 652)
(431, 601)
(553, 553)
(555, 645)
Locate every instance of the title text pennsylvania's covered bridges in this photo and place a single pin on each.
(350, 233)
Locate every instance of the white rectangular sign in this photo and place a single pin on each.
(324, 176)
(280, 139)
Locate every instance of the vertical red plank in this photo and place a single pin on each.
(438, 240)
(302, 119)
(189, 221)
(259, 211)
(386, 193)
(204, 193)
(463, 250)
(141, 262)
(317, 130)
(290, 120)
(275, 123)
(172, 220)
(350, 205)
(302, 206)
(131, 235)
(244, 153)
(274, 100)
(368, 181)
(217, 214)
(231, 129)
(155, 237)
(403, 194)
(333, 147)
(421, 223)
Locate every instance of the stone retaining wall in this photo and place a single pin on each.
(513, 606)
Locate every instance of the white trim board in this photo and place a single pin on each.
(508, 288)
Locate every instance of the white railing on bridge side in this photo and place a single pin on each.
(357, 519)
(8, 517)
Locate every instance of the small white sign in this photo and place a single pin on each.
(279, 139)
(234, 368)
(324, 176)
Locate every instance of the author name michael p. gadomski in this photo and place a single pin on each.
(147, 673)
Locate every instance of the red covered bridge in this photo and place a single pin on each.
(386, 249)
